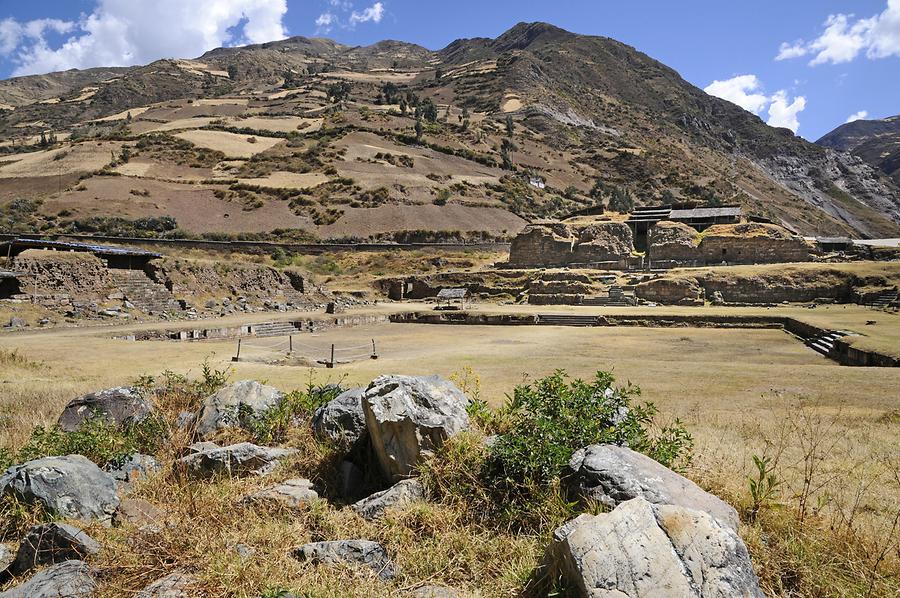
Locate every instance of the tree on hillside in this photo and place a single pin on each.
(418, 129)
(338, 92)
(232, 71)
(427, 110)
(621, 200)
(404, 107)
(509, 125)
(507, 147)
(438, 74)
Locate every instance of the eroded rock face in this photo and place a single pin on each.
(133, 468)
(399, 495)
(289, 493)
(116, 406)
(643, 550)
(409, 417)
(234, 404)
(71, 487)
(364, 553)
(52, 543)
(176, 585)
(237, 460)
(341, 419)
(71, 579)
(613, 474)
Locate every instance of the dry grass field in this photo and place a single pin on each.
(830, 430)
(231, 144)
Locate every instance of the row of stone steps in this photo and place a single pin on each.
(885, 299)
(142, 292)
(567, 320)
(605, 302)
(265, 329)
(824, 343)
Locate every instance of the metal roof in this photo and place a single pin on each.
(452, 293)
(73, 246)
(834, 240)
(8, 274)
(696, 213)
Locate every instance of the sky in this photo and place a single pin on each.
(809, 65)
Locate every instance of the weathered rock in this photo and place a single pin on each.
(71, 487)
(357, 552)
(235, 404)
(613, 474)
(642, 549)
(16, 322)
(134, 467)
(199, 447)
(341, 419)
(116, 406)
(236, 460)
(409, 417)
(175, 585)
(71, 579)
(434, 592)
(6, 557)
(289, 493)
(400, 494)
(52, 543)
(139, 513)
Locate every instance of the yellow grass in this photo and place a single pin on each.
(288, 180)
(181, 123)
(231, 144)
(291, 124)
(79, 157)
(135, 112)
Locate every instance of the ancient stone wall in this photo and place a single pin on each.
(670, 291)
(52, 273)
(558, 244)
(752, 243)
(673, 241)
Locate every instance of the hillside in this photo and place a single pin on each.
(307, 138)
(875, 141)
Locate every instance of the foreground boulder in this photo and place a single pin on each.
(235, 405)
(409, 417)
(641, 549)
(237, 460)
(399, 495)
(342, 419)
(364, 553)
(132, 468)
(139, 513)
(6, 556)
(289, 493)
(71, 579)
(611, 474)
(52, 543)
(118, 407)
(176, 585)
(71, 487)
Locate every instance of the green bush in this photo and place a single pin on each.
(273, 425)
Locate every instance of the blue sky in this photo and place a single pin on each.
(805, 64)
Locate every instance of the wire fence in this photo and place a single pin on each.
(328, 355)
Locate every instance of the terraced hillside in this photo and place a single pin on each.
(306, 138)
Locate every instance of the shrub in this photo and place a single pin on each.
(299, 405)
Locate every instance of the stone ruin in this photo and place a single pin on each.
(671, 244)
(607, 244)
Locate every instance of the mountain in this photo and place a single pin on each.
(309, 136)
(875, 141)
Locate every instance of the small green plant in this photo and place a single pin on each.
(274, 424)
(763, 485)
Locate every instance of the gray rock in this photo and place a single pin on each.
(341, 419)
(613, 474)
(289, 493)
(116, 406)
(200, 447)
(15, 322)
(176, 585)
(71, 579)
(434, 592)
(6, 557)
(357, 552)
(139, 513)
(400, 494)
(237, 460)
(52, 543)
(235, 404)
(409, 417)
(71, 487)
(132, 468)
(641, 550)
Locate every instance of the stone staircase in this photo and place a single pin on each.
(567, 320)
(282, 328)
(885, 299)
(616, 298)
(140, 290)
(824, 343)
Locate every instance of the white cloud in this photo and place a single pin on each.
(123, 32)
(373, 13)
(844, 38)
(862, 114)
(747, 92)
(783, 111)
(324, 22)
(742, 90)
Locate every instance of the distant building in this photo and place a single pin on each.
(537, 182)
(702, 218)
